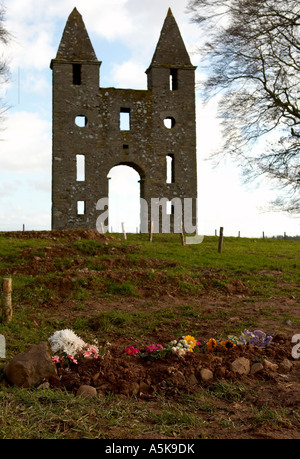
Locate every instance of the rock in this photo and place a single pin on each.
(206, 375)
(256, 368)
(270, 366)
(192, 380)
(45, 385)
(241, 366)
(285, 366)
(145, 388)
(32, 367)
(86, 392)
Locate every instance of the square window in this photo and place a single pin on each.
(125, 119)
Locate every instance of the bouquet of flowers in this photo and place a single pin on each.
(184, 345)
(157, 351)
(256, 338)
(67, 347)
(65, 344)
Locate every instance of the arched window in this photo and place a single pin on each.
(124, 199)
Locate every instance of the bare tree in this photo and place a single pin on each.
(4, 40)
(252, 61)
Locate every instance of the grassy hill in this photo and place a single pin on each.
(138, 292)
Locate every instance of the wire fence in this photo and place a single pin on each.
(28, 227)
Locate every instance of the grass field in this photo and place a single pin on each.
(137, 292)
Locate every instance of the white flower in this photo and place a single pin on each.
(66, 341)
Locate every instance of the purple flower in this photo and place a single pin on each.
(266, 341)
(259, 333)
(247, 333)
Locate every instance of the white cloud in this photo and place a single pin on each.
(130, 74)
(38, 27)
(8, 188)
(26, 145)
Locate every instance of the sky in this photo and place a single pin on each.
(124, 34)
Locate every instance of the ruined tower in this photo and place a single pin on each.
(160, 127)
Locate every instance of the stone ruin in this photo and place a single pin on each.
(88, 128)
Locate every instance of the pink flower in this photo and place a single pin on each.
(91, 351)
(55, 359)
(152, 348)
(131, 350)
(72, 359)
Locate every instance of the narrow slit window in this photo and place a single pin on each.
(170, 169)
(80, 207)
(80, 168)
(173, 79)
(77, 74)
(125, 119)
(169, 208)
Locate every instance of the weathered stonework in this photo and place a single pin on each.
(144, 146)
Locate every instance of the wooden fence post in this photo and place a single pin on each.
(182, 235)
(124, 232)
(151, 231)
(221, 240)
(6, 290)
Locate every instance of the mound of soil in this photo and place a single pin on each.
(126, 375)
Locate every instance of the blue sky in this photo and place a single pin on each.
(124, 34)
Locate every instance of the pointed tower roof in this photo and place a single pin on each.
(75, 44)
(170, 50)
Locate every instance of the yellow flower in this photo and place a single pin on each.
(191, 341)
(228, 344)
(212, 343)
